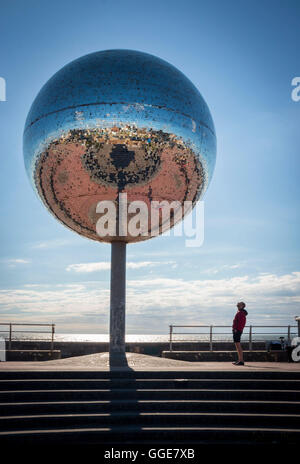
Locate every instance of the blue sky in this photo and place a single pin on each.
(242, 56)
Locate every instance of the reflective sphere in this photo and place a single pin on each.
(117, 121)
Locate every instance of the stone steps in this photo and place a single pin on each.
(186, 406)
(126, 406)
(142, 394)
(154, 435)
(149, 419)
(241, 373)
(157, 384)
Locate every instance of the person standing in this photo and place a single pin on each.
(238, 325)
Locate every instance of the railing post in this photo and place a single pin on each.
(297, 318)
(171, 335)
(211, 338)
(250, 338)
(52, 337)
(10, 334)
(289, 334)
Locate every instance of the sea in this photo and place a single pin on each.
(140, 338)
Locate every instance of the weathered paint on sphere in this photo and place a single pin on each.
(117, 121)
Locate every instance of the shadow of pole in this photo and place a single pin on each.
(125, 404)
(118, 360)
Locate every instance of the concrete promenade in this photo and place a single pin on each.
(100, 361)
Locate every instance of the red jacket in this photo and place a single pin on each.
(239, 320)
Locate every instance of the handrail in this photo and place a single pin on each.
(11, 324)
(212, 327)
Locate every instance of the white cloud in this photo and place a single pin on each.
(224, 267)
(154, 303)
(105, 265)
(36, 285)
(16, 262)
(89, 267)
(55, 243)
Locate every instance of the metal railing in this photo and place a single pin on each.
(287, 332)
(11, 331)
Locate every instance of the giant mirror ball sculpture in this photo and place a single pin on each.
(117, 121)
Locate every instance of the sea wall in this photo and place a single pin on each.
(69, 349)
(225, 356)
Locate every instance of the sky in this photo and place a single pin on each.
(242, 56)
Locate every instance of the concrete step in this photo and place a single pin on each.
(151, 383)
(142, 419)
(224, 356)
(150, 394)
(233, 373)
(165, 374)
(153, 435)
(131, 405)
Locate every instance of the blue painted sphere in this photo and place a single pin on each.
(117, 121)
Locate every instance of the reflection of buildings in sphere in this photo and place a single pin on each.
(87, 166)
(117, 121)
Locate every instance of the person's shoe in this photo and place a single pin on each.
(235, 363)
(239, 363)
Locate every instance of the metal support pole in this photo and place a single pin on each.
(171, 333)
(210, 338)
(250, 338)
(52, 337)
(10, 336)
(289, 334)
(117, 298)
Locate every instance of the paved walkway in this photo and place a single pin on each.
(100, 361)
